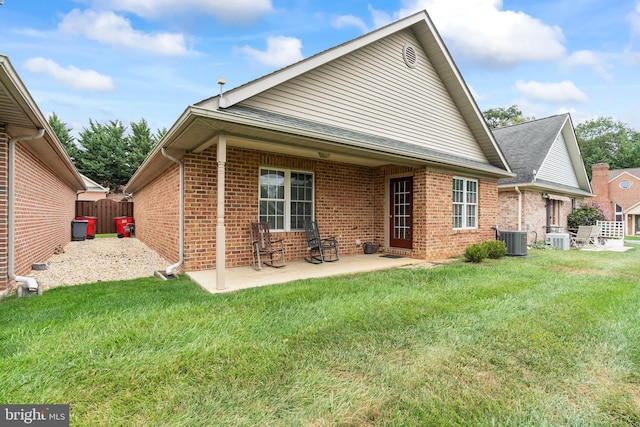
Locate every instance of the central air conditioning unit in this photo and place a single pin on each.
(558, 241)
(516, 242)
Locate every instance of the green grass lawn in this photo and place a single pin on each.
(550, 340)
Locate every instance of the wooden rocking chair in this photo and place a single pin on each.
(320, 250)
(265, 250)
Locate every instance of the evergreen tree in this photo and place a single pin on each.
(103, 156)
(64, 135)
(139, 144)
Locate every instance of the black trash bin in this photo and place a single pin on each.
(79, 229)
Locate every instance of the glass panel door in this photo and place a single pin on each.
(401, 213)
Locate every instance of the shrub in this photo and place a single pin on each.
(495, 248)
(475, 252)
(587, 214)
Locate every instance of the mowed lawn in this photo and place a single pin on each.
(549, 340)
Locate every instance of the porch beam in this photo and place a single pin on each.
(221, 242)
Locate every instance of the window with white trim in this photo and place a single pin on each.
(619, 210)
(285, 198)
(465, 203)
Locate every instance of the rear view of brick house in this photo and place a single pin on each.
(38, 184)
(551, 178)
(617, 191)
(377, 139)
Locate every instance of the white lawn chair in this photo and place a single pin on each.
(582, 237)
(594, 236)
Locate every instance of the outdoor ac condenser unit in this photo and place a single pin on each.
(558, 241)
(516, 242)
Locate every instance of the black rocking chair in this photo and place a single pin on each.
(320, 250)
(263, 246)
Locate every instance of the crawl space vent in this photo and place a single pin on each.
(410, 55)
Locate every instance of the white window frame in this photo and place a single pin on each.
(465, 204)
(618, 212)
(287, 195)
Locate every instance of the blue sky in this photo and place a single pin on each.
(131, 59)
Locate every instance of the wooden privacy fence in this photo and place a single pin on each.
(105, 210)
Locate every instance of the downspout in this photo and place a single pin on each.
(519, 208)
(169, 269)
(32, 284)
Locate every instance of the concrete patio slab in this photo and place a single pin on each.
(246, 277)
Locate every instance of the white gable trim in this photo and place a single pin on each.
(253, 88)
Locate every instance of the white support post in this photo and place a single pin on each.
(221, 239)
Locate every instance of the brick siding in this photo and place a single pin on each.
(534, 213)
(156, 214)
(44, 209)
(350, 203)
(4, 212)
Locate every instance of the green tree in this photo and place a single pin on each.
(503, 117)
(103, 156)
(64, 135)
(139, 144)
(604, 140)
(160, 133)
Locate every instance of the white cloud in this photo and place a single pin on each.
(588, 58)
(70, 76)
(631, 53)
(634, 18)
(230, 11)
(380, 19)
(557, 93)
(484, 33)
(281, 51)
(350, 21)
(114, 30)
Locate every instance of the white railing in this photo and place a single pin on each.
(611, 229)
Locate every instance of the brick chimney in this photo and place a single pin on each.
(600, 181)
(600, 187)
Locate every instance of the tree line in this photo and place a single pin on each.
(106, 153)
(601, 140)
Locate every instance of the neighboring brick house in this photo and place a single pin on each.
(551, 179)
(618, 193)
(377, 139)
(38, 184)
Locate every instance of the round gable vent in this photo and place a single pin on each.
(625, 185)
(409, 55)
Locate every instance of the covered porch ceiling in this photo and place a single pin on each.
(203, 134)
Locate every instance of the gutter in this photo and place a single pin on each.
(31, 283)
(519, 208)
(169, 269)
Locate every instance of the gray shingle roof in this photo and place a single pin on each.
(372, 142)
(614, 173)
(526, 145)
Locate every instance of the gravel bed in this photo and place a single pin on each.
(99, 260)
